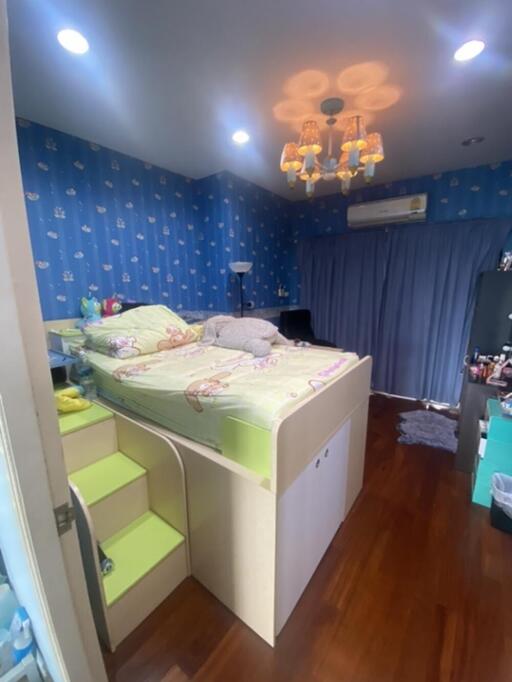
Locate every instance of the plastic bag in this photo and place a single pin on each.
(501, 490)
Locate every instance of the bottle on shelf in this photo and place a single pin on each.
(8, 605)
(85, 376)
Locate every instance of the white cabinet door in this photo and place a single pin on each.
(309, 513)
(333, 481)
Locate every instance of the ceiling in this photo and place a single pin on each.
(169, 81)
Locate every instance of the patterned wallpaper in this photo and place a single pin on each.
(479, 192)
(106, 223)
(242, 222)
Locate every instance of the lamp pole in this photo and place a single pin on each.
(240, 268)
(241, 277)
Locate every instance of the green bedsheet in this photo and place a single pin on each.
(192, 388)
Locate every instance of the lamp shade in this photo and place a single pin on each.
(374, 150)
(240, 267)
(290, 158)
(354, 137)
(310, 141)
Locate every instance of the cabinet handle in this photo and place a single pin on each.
(317, 463)
(326, 453)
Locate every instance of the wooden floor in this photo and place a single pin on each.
(416, 587)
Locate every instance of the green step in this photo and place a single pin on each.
(74, 421)
(102, 478)
(135, 550)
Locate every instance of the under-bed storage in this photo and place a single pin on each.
(309, 513)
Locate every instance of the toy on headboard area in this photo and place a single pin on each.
(91, 311)
(110, 306)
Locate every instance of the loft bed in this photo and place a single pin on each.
(264, 498)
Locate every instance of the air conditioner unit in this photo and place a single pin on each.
(409, 209)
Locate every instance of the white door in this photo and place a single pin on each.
(45, 569)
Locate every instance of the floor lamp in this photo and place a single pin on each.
(240, 268)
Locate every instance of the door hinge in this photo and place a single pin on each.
(64, 517)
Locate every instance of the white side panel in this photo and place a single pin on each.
(232, 540)
(309, 513)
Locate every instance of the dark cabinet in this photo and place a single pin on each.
(490, 329)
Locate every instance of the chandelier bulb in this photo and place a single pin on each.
(353, 159)
(310, 188)
(369, 171)
(309, 163)
(345, 186)
(291, 175)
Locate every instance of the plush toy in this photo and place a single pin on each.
(91, 311)
(110, 306)
(71, 400)
(249, 334)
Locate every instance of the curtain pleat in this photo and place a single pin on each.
(403, 295)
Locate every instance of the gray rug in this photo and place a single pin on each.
(425, 427)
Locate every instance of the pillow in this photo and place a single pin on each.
(140, 331)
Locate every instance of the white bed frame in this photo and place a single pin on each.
(255, 542)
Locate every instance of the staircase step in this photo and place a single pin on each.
(74, 421)
(104, 477)
(81, 449)
(136, 550)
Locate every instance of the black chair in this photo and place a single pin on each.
(296, 324)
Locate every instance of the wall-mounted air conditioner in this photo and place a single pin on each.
(409, 209)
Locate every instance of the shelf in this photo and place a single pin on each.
(135, 551)
(104, 477)
(25, 671)
(74, 421)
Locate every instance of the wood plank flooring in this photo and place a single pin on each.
(416, 587)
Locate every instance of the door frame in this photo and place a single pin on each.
(33, 458)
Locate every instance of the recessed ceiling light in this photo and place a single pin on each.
(472, 140)
(240, 137)
(73, 41)
(469, 50)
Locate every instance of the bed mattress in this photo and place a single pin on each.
(192, 388)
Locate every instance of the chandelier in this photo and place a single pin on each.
(359, 151)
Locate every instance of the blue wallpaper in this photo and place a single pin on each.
(467, 194)
(242, 222)
(109, 224)
(105, 223)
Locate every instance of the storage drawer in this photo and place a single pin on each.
(309, 513)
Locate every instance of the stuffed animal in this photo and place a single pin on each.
(71, 400)
(110, 306)
(250, 334)
(91, 311)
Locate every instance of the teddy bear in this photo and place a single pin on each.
(249, 334)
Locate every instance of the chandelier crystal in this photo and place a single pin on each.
(359, 151)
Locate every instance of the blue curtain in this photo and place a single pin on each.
(404, 296)
(342, 280)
